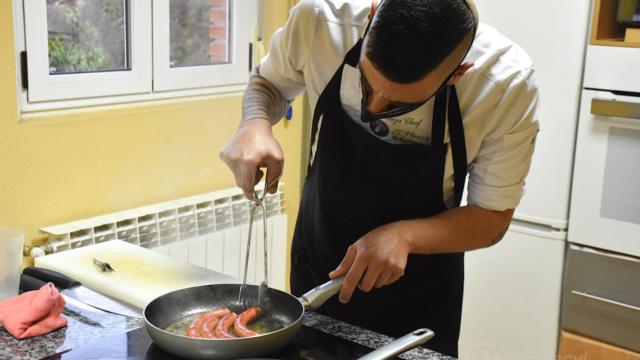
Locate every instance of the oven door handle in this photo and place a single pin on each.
(622, 109)
(605, 300)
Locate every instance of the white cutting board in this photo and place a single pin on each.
(140, 274)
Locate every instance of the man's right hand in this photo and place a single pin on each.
(252, 148)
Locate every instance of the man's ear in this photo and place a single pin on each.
(461, 70)
(374, 7)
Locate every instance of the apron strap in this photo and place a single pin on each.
(332, 88)
(458, 146)
(353, 56)
(439, 118)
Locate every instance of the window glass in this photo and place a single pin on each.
(199, 32)
(87, 36)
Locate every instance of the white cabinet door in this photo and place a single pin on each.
(511, 307)
(612, 68)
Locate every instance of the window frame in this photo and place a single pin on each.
(85, 90)
(165, 78)
(46, 87)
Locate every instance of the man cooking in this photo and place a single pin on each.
(409, 97)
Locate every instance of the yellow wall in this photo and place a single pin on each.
(77, 164)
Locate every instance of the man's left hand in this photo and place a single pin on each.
(375, 260)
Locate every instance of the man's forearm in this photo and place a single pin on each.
(456, 230)
(262, 101)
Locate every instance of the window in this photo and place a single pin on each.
(181, 29)
(78, 51)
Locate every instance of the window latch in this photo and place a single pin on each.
(250, 57)
(24, 74)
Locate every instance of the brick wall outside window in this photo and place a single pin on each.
(218, 31)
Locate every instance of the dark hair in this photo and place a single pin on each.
(410, 38)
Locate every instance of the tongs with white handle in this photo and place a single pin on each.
(257, 202)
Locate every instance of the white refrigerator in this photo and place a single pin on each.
(511, 307)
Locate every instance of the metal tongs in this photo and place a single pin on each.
(104, 266)
(257, 202)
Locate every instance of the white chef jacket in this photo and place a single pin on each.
(498, 96)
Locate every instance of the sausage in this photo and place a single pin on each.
(191, 332)
(199, 327)
(240, 325)
(209, 326)
(222, 312)
(195, 328)
(224, 325)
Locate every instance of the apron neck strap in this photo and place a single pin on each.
(446, 109)
(458, 144)
(353, 56)
(332, 90)
(439, 117)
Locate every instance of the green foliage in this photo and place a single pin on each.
(189, 34)
(80, 49)
(65, 57)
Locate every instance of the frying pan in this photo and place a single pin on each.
(167, 316)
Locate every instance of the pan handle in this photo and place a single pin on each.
(315, 297)
(400, 345)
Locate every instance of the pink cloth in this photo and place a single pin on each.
(33, 313)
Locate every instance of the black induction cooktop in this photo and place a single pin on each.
(309, 344)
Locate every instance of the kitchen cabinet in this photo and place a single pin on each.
(574, 346)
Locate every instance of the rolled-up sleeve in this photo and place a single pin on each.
(497, 175)
(289, 49)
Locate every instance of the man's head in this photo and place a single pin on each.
(413, 47)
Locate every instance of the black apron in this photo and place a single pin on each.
(358, 182)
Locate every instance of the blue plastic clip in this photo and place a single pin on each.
(289, 113)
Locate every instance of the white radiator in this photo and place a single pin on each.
(208, 230)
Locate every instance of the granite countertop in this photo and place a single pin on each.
(364, 337)
(86, 327)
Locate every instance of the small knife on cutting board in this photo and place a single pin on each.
(73, 289)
